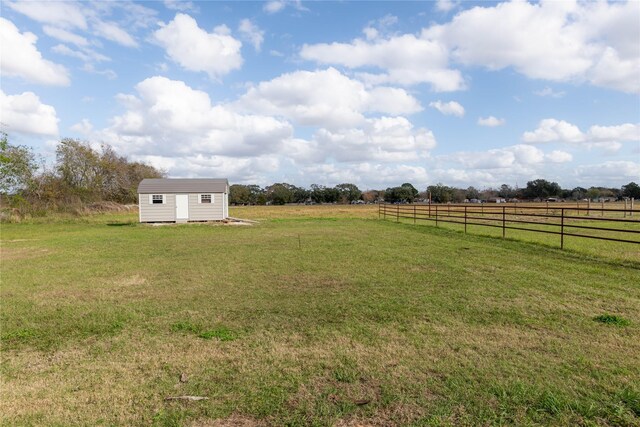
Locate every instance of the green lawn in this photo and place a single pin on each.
(311, 317)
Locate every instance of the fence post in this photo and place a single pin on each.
(429, 207)
(465, 220)
(588, 207)
(625, 208)
(562, 229)
(436, 215)
(602, 211)
(414, 214)
(631, 212)
(384, 210)
(378, 210)
(547, 207)
(503, 223)
(397, 213)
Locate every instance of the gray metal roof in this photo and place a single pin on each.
(202, 185)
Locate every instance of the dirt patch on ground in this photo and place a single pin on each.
(13, 254)
(228, 221)
(231, 421)
(134, 280)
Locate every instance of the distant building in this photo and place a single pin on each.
(183, 200)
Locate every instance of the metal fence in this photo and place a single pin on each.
(617, 225)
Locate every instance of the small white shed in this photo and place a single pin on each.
(183, 200)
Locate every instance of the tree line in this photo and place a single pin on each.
(539, 189)
(81, 175)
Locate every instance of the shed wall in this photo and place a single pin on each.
(159, 212)
(206, 211)
(197, 211)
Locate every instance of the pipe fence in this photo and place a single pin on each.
(616, 225)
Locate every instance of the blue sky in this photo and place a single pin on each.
(373, 93)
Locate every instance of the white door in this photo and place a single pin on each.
(182, 206)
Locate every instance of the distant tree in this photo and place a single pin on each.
(593, 193)
(239, 194)
(631, 190)
(371, 196)
(331, 195)
(78, 166)
(578, 193)
(348, 192)
(17, 166)
(506, 191)
(402, 194)
(472, 193)
(541, 189)
(279, 193)
(458, 195)
(317, 193)
(412, 191)
(255, 191)
(93, 175)
(440, 193)
(299, 194)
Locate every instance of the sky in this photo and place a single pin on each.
(371, 93)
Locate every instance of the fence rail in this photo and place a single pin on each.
(616, 225)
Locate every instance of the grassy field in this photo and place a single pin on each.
(314, 316)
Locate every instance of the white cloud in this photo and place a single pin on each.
(252, 33)
(86, 55)
(111, 31)
(511, 157)
(548, 92)
(610, 171)
(557, 156)
(83, 127)
(168, 118)
(108, 73)
(593, 42)
(274, 6)
(196, 50)
(180, 5)
(553, 130)
(384, 139)
(625, 132)
(451, 108)
(61, 14)
(65, 36)
(21, 58)
(491, 121)
(405, 60)
(446, 5)
(25, 113)
(324, 98)
(557, 41)
(380, 27)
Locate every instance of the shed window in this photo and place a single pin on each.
(157, 199)
(206, 198)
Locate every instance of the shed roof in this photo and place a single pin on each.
(200, 185)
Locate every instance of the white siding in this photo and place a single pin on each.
(205, 211)
(197, 211)
(158, 212)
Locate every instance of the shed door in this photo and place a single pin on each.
(182, 206)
